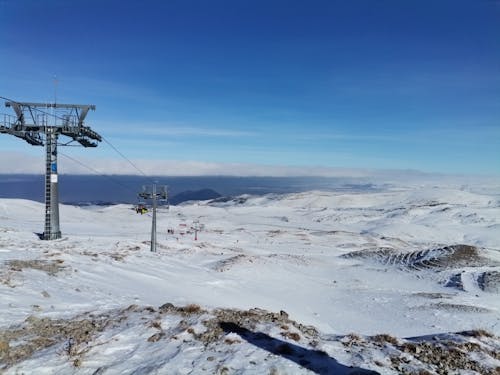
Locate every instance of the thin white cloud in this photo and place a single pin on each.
(106, 88)
(196, 131)
(351, 137)
(443, 132)
(16, 162)
(200, 168)
(21, 163)
(166, 129)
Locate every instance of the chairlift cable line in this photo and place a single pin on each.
(98, 173)
(127, 159)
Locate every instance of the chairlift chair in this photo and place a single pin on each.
(141, 208)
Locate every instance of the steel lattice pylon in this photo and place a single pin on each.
(153, 194)
(31, 124)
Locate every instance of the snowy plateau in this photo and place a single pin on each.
(398, 281)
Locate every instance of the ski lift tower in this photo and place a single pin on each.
(30, 124)
(151, 192)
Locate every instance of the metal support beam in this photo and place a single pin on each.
(154, 195)
(153, 226)
(52, 231)
(51, 105)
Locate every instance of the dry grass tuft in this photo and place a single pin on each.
(385, 338)
(40, 333)
(191, 309)
(291, 335)
(352, 339)
(51, 267)
(156, 337)
(156, 324)
(232, 341)
(447, 356)
(477, 333)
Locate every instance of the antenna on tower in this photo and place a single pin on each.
(55, 88)
(54, 114)
(30, 124)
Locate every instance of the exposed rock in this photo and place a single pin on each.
(489, 281)
(453, 256)
(51, 267)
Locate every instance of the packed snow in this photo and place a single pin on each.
(315, 282)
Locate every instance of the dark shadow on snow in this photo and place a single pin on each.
(314, 360)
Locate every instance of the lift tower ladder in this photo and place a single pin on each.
(30, 124)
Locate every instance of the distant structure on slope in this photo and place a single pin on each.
(31, 124)
(155, 194)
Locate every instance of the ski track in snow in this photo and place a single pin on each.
(365, 263)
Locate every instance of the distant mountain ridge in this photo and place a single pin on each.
(197, 195)
(185, 196)
(106, 190)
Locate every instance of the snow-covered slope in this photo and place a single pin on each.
(342, 269)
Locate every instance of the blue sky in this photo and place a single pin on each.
(332, 84)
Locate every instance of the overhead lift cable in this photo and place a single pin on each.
(128, 188)
(125, 158)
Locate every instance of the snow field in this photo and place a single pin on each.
(276, 252)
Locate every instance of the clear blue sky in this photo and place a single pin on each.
(355, 84)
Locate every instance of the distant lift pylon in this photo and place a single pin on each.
(154, 193)
(31, 124)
